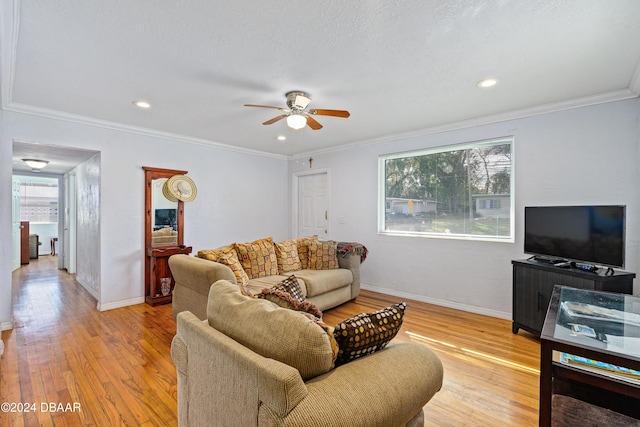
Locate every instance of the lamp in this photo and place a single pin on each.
(296, 121)
(35, 164)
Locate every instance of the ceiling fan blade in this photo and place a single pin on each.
(313, 123)
(266, 106)
(275, 119)
(334, 113)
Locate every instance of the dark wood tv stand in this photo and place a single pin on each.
(533, 283)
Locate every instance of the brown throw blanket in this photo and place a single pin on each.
(346, 248)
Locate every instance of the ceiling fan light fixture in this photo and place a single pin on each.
(35, 164)
(296, 121)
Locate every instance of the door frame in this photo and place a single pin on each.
(295, 206)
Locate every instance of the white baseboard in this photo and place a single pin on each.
(119, 304)
(442, 303)
(88, 288)
(5, 326)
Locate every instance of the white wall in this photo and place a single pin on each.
(241, 197)
(88, 207)
(6, 250)
(582, 156)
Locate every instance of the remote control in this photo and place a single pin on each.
(586, 267)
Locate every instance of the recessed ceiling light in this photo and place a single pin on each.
(281, 138)
(487, 83)
(142, 104)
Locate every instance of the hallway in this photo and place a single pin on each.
(93, 367)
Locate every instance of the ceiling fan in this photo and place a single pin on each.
(297, 113)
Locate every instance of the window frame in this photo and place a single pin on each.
(382, 197)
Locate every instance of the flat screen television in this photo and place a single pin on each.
(585, 234)
(165, 218)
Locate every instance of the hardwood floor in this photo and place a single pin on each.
(114, 367)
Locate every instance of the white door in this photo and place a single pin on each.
(313, 205)
(15, 223)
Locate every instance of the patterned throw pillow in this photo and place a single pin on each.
(366, 333)
(287, 256)
(226, 255)
(291, 286)
(215, 254)
(258, 258)
(303, 249)
(323, 255)
(231, 261)
(286, 300)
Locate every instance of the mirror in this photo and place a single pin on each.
(164, 224)
(164, 216)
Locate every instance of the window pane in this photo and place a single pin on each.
(38, 202)
(461, 191)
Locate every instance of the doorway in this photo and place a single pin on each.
(311, 204)
(36, 207)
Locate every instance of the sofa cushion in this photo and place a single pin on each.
(258, 258)
(366, 333)
(323, 255)
(303, 249)
(318, 282)
(287, 256)
(269, 330)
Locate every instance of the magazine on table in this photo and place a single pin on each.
(613, 371)
(590, 311)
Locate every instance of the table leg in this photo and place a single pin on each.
(546, 368)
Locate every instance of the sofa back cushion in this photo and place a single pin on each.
(269, 330)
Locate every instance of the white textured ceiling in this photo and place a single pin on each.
(400, 67)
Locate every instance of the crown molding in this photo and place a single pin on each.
(602, 98)
(89, 121)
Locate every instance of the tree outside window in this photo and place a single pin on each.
(461, 191)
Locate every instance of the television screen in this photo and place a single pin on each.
(165, 218)
(589, 234)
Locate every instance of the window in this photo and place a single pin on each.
(463, 191)
(39, 202)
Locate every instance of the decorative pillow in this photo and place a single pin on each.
(215, 254)
(274, 332)
(366, 333)
(287, 256)
(303, 249)
(285, 300)
(292, 287)
(258, 258)
(226, 255)
(231, 260)
(323, 255)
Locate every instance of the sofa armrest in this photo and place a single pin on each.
(386, 388)
(352, 262)
(220, 379)
(193, 278)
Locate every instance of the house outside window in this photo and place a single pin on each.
(462, 191)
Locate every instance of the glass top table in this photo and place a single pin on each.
(591, 338)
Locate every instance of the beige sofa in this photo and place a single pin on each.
(253, 363)
(326, 284)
